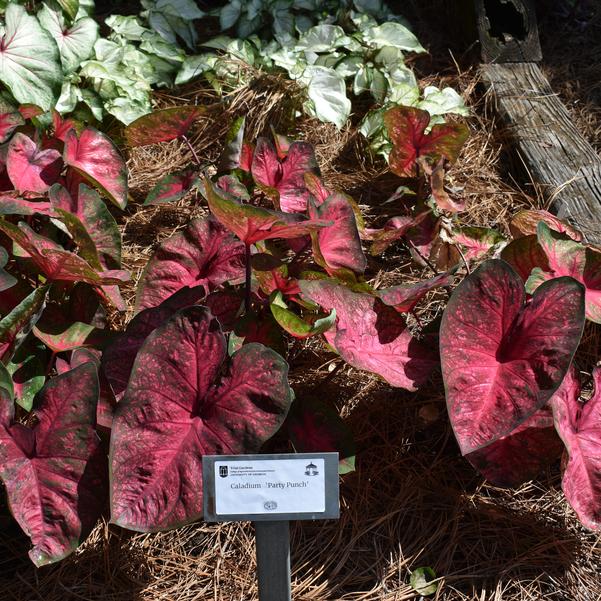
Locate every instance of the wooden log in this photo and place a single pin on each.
(550, 147)
(508, 31)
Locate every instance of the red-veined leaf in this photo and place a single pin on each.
(63, 126)
(173, 187)
(29, 168)
(60, 338)
(204, 254)
(475, 242)
(524, 224)
(162, 125)
(54, 473)
(179, 407)
(502, 359)
(404, 297)
(524, 254)
(96, 158)
(12, 204)
(371, 336)
(316, 187)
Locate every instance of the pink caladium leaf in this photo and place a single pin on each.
(579, 426)
(404, 297)
(94, 156)
(204, 254)
(13, 204)
(316, 187)
(54, 474)
(503, 358)
(55, 262)
(162, 125)
(476, 242)
(524, 254)
(371, 336)
(407, 130)
(173, 187)
(566, 257)
(277, 278)
(524, 224)
(29, 168)
(283, 179)
(315, 427)
(59, 337)
(63, 126)
(337, 247)
(282, 144)
(252, 224)
(185, 399)
(10, 119)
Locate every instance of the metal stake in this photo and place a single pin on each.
(273, 560)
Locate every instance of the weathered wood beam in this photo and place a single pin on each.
(551, 148)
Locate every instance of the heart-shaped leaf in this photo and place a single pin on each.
(29, 59)
(55, 262)
(579, 426)
(54, 473)
(337, 247)
(252, 224)
(94, 156)
(404, 297)
(174, 186)
(204, 254)
(178, 407)
(567, 257)
(524, 254)
(316, 427)
(29, 168)
(502, 359)
(525, 222)
(283, 179)
(10, 119)
(162, 125)
(407, 130)
(371, 336)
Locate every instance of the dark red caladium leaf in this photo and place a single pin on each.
(394, 229)
(524, 254)
(185, 399)
(406, 128)
(55, 262)
(54, 473)
(94, 156)
(29, 168)
(257, 327)
(252, 224)
(567, 257)
(315, 427)
(204, 254)
(162, 125)
(502, 359)
(283, 179)
(524, 224)
(371, 336)
(10, 119)
(579, 426)
(475, 242)
(174, 186)
(91, 225)
(271, 280)
(522, 454)
(16, 325)
(404, 297)
(337, 247)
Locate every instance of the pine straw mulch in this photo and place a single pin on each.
(413, 501)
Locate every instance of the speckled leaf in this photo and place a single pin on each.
(371, 336)
(283, 179)
(174, 186)
(162, 125)
(406, 128)
(94, 156)
(205, 253)
(315, 427)
(11, 204)
(185, 399)
(252, 224)
(31, 169)
(10, 119)
(524, 254)
(404, 297)
(55, 262)
(525, 222)
(54, 473)
(338, 246)
(502, 359)
(579, 426)
(475, 242)
(567, 257)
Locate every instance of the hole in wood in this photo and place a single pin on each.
(507, 23)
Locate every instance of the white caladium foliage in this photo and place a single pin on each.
(29, 59)
(327, 92)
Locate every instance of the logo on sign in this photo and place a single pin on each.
(311, 470)
(270, 505)
(223, 471)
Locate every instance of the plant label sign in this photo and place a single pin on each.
(298, 486)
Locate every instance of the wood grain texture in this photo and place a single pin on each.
(551, 148)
